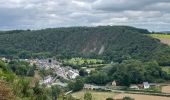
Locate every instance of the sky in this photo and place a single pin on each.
(153, 15)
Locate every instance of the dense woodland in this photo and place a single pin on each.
(112, 43)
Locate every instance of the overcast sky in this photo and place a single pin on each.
(36, 14)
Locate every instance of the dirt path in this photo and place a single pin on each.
(141, 97)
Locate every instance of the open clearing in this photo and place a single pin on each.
(104, 95)
(141, 97)
(166, 89)
(96, 95)
(164, 38)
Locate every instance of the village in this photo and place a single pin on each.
(68, 73)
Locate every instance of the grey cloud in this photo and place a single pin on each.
(119, 5)
(37, 14)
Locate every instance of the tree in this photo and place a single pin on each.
(77, 85)
(98, 78)
(82, 72)
(87, 96)
(39, 92)
(2, 66)
(127, 98)
(109, 98)
(55, 91)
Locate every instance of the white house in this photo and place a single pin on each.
(133, 86)
(146, 85)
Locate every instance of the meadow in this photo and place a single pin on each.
(104, 95)
(159, 35)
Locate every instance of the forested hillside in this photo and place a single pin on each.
(112, 43)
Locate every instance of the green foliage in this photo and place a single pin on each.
(55, 91)
(69, 97)
(81, 62)
(82, 72)
(3, 66)
(100, 78)
(159, 35)
(76, 85)
(39, 92)
(109, 99)
(21, 68)
(127, 98)
(135, 72)
(21, 87)
(118, 42)
(87, 96)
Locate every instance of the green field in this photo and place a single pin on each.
(159, 35)
(96, 95)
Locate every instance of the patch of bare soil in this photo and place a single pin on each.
(166, 89)
(165, 41)
(141, 97)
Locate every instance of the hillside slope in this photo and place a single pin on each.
(107, 42)
(164, 38)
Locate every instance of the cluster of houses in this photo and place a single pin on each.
(64, 72)
(50, 81)
(47, 80)
(145, 85)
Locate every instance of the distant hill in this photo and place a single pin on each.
(114, 43)
(164, 32)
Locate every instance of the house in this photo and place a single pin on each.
(47, 80)
(88, 86)
(154, 84)
(146, 85)
(140, 86)
(133, 86)
(114, 83)
(72, 74)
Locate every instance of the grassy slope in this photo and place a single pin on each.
(95, 95)
(164, 38)
(159, 35)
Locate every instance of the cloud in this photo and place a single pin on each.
(119, 5)
(37, 14)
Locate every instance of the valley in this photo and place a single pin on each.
(103, 62)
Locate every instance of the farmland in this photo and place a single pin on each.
(141, 97)
(95, 95)
(166, 89)
(164, 38)
(159, 35)
(104, 95)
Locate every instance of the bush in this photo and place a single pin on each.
(128, 98)
(109, 98)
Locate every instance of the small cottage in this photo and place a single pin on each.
(146, 85)
(114, 83)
